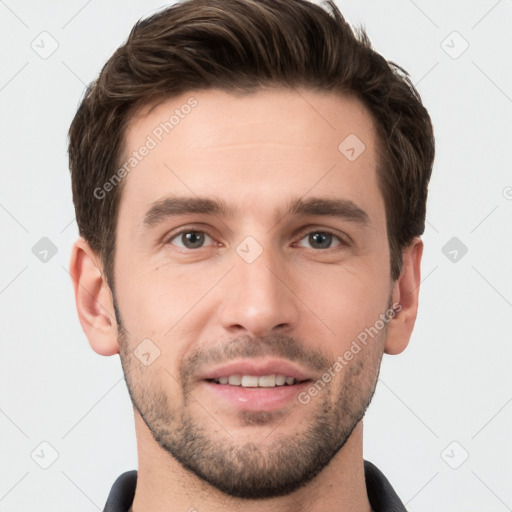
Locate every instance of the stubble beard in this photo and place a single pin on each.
(262, 468)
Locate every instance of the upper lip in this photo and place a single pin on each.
(256, 368)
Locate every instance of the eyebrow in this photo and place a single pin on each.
(342, 208)
(175, 206)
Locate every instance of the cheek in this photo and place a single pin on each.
(154, 387)
(348, 299)
(149, 362)
(158, 300)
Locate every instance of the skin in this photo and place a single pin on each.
(296, 300)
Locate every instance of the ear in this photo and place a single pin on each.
(405, 299)
(94, 301)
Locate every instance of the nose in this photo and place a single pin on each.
(257, 299)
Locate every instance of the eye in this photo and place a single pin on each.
(191, 239)
(320, 240)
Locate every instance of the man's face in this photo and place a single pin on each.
(249, 245)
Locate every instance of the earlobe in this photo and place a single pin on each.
(405, 299)
(94, 300)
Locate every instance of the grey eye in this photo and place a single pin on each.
(320, 240)
(190, 239)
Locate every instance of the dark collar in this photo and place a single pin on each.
(381, 495)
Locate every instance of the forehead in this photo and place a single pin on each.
(254, 151)
(207, 117)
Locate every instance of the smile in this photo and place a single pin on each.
(254, 381)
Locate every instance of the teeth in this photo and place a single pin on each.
(280, 380)
(249, 381)
(267, 381)
(253, 381)
(235, 380)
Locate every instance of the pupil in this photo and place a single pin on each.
(321, 240)
(193, 239)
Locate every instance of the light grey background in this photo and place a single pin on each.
(447, 397)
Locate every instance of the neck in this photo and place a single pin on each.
(164, 485)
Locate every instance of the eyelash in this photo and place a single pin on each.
(170, 238)
(343, 240)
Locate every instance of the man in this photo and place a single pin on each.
(250, 181)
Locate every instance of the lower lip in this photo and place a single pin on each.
(257, 399)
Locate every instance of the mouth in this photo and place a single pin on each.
(255, 381)
(251, 385)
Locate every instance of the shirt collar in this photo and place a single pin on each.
(381, 494)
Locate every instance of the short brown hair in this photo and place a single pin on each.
(240, 46)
